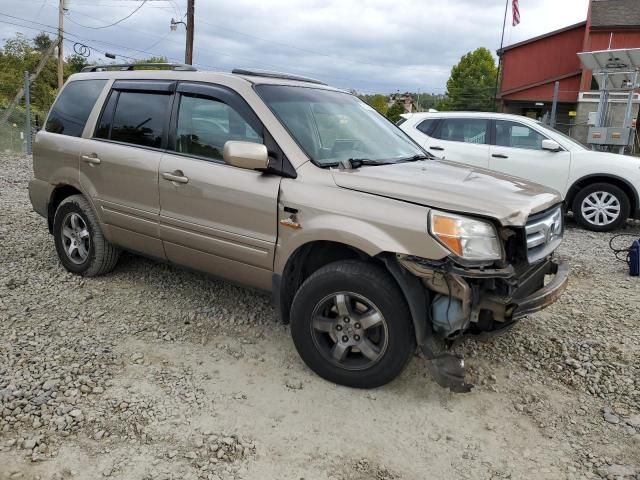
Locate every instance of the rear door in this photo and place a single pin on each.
(517, 151)
(462, 140)
(119, 167)
(215, 217)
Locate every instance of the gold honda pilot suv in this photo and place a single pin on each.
(369, 245)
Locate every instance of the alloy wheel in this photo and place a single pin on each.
(349, 331)
(75, 238)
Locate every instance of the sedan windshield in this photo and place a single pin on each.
(333, 127)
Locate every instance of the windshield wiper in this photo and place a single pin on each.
(358, 162)
(415, 158)
(352, 163)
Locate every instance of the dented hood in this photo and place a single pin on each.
(452, 186)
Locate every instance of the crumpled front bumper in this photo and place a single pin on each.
(530, 289)
(546, 295)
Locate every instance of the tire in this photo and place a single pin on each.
(379, 323)
(588, 200)
(75, 222)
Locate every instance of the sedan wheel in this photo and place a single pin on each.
(600, 208)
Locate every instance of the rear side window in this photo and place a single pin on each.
(428, 126)
(73, 107)
(138, 118)
(467, 130)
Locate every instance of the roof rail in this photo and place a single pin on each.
(136, 66)
(268, 74)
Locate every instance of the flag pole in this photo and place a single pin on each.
(504, 24)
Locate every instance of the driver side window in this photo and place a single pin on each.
(205, 125)
(517, 135)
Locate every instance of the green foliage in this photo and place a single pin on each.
(42, 42)
(20, 54)
(379, 102)
(75, 63)
(394, 112)
(472, 83)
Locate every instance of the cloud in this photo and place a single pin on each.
(369, 45)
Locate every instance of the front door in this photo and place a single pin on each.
(518, 151)
(462, 140)
(215, 217)
(119, 165)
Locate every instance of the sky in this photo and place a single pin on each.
(372, 46)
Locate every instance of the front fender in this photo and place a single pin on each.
(369, 236)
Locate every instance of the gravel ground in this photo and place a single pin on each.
(152, 372)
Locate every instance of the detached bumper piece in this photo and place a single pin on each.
(548, 294)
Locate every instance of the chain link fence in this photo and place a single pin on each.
(15, 137)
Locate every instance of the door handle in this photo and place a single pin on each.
(436, 148)
(176, 176)
(499, 155)
(91, 159)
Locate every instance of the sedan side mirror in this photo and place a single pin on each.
(247, 155)
(551, 145)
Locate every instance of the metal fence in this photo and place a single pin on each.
(18, 124)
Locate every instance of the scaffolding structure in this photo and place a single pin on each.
(614, 71)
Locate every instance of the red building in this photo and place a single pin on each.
(530, 69)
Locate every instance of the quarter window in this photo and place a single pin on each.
(467, 130)
(205, 125)
(73, 107)
(139, 119)
(516, 135)
(427, 126)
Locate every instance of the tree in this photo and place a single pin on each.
(472, 83)
(75, 63)
(379, 102)
(42, 42)
(394, 112)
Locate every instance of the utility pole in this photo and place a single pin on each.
(60, 44)
(188, 53)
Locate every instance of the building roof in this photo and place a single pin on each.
(543, 36)
(615, 13)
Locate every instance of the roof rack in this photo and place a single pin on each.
(136, 66)
(268, 74)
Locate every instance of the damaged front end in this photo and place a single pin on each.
(482, 300)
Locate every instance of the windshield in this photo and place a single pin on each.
(567, 138)
(332, 127)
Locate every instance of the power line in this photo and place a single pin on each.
(160, 38)
(111, 24)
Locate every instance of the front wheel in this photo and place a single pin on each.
(351, 325)
(601, 207)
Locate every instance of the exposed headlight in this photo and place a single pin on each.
(468, 238)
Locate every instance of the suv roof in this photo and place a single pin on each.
(178, 71)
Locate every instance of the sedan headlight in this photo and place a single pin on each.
(468, 238)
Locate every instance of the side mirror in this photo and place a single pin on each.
(248, 155)
(551, 145)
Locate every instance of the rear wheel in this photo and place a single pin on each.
(601, 207)
(79, 241)
(351, 325)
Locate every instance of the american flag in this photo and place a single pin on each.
(516, 12)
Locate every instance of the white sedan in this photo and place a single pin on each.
(602, 189)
